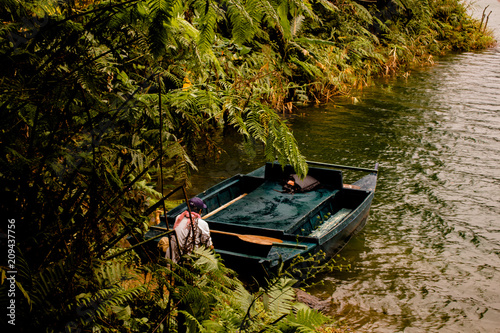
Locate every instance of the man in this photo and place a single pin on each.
(183, 228)
(192, 232)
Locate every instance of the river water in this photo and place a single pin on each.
(429, 258)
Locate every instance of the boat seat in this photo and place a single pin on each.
(331, 222)
(268, 208)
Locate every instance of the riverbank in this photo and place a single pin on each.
(360, 40)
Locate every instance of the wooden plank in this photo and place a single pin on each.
(256, 239)
(215, 211)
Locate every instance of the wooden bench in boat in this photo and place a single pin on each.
(331, 223)
(255, 204)
(268, 208)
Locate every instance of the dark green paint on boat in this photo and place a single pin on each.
(322, 219)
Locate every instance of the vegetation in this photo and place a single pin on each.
(119, 295)
(98, 98)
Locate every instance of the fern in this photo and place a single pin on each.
(307, 319)
(328, 5)
(299, 7)
(296, 24)
(264, 125)
(265, 12)
(161, 12)
(243, 25)
(193, 321)
(362, 12)
(278, 297)
(313, 71)
(48, 282)
(81, 124)
(208, 14)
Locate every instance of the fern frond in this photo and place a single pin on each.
(207, 12)
(278, 298)
(192, 319)
(264, 10)
(161, 12)
(284, 23)
(297, 24)
(206, 261)
(362, 12)
(116, 297)
(188, 30)
(111, 273)
(310, 69)
(307, 318)
(120, 18)
(245, 300)
(328, 5)
(243, 26)
(303, 7)
(49, 279)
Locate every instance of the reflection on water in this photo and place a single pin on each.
(429, 258)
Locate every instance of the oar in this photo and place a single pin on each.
(256, 239)
(224, 206)
(262, 240)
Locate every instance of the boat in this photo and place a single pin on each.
(256, 224)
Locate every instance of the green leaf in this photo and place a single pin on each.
(122, 313)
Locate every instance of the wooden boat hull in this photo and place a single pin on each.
(323, 219)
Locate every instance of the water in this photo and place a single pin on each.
(429, 258)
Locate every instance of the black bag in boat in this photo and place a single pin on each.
(296, 185)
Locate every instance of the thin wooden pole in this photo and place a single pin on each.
(190, 215)
(215, 211)
(161, 144)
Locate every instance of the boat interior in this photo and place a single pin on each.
(255, 204)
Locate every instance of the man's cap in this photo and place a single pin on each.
(197, 202)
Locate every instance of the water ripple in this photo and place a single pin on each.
(429, 259)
